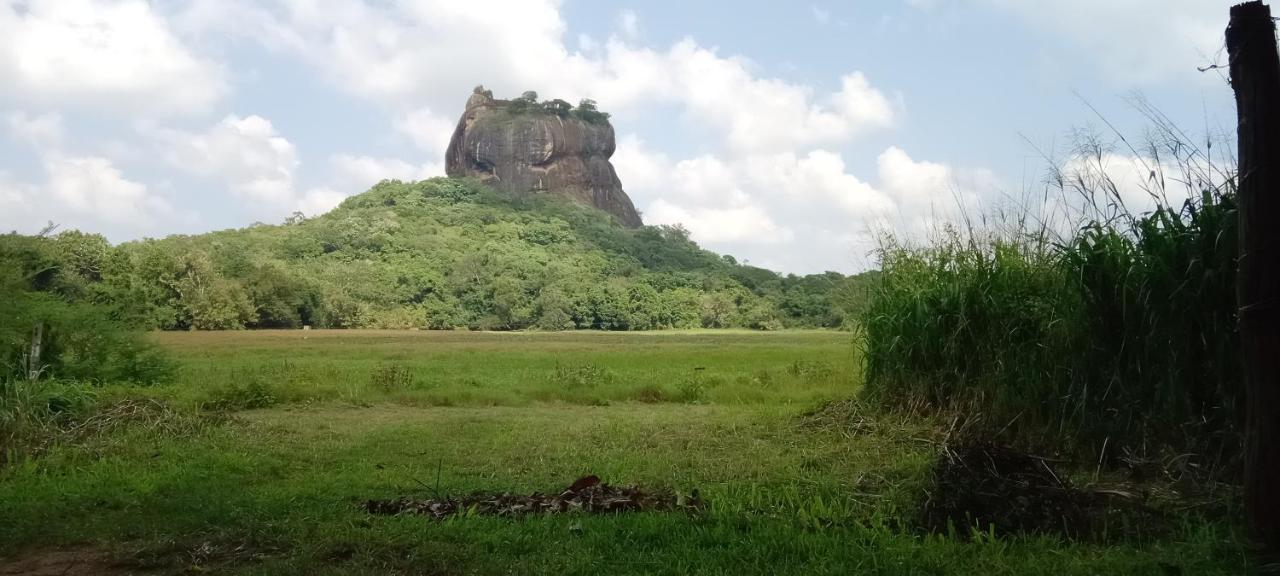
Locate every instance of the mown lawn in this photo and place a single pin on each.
(275, 440)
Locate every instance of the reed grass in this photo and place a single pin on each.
(1112, 335)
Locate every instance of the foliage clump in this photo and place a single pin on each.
(51, 289)
(587, 110)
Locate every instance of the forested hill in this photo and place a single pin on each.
(440, 253)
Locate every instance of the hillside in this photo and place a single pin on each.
(439, 254)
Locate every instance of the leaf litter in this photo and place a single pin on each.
(587, 495)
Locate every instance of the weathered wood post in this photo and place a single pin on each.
(33, 357)
(1255, 77)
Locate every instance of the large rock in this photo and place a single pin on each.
(532, 151)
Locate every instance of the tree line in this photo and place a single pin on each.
(436, 254)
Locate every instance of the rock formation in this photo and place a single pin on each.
(522, 147)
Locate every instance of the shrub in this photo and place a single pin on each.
(581, 376)
(391, 377)
(251, 394)
(692, 390)
(78, 342)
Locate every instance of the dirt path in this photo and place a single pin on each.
(81, 561)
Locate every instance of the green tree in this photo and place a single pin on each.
(645, 311)
(281, 300)
(554, 309)
(681, 308)
(339, 310)
(511, 304)
(610, 306)
(82, 255)
(207, 300)
(443, 312)
(589, 112)
(718, 310)
(558, 107)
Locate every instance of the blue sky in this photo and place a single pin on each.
(786, 134)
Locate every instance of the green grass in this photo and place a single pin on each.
(348, 416)
(425, 368)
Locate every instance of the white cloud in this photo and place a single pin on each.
(319, 200)
(927, 194)
(401, 54)
(260, 166)
(78, 191)
(818, 179)
(428, 130)
(920, 187)
(358, 173)
(43, 130)
(798, 212)
(93, 54)
(93, 186)
(1135, 42)
(629, 24)
(13, 196)
(743, 224)
(1140, 183)
(702, 193)
(425, 57)
(642, 170)
(85, 192)
(750, 114)
(759, 115)
(255, 162)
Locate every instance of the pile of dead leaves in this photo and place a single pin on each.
(587, 495)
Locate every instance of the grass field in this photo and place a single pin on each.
(270, 441)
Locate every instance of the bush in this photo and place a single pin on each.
(392, 377)
(581, 376)
(78, 342)
(249, 395)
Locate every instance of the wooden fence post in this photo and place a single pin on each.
(33, 358)
(1255, 77)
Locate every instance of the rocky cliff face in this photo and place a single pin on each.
(528, 150)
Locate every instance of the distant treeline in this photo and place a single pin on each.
(436, 254)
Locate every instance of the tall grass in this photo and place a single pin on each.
(1115, 335)
(33, 412)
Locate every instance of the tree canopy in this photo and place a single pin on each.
(440, 254)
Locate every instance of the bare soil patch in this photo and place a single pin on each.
(80, 561)
(989, 487)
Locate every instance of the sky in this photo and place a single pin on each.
(789, 135)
